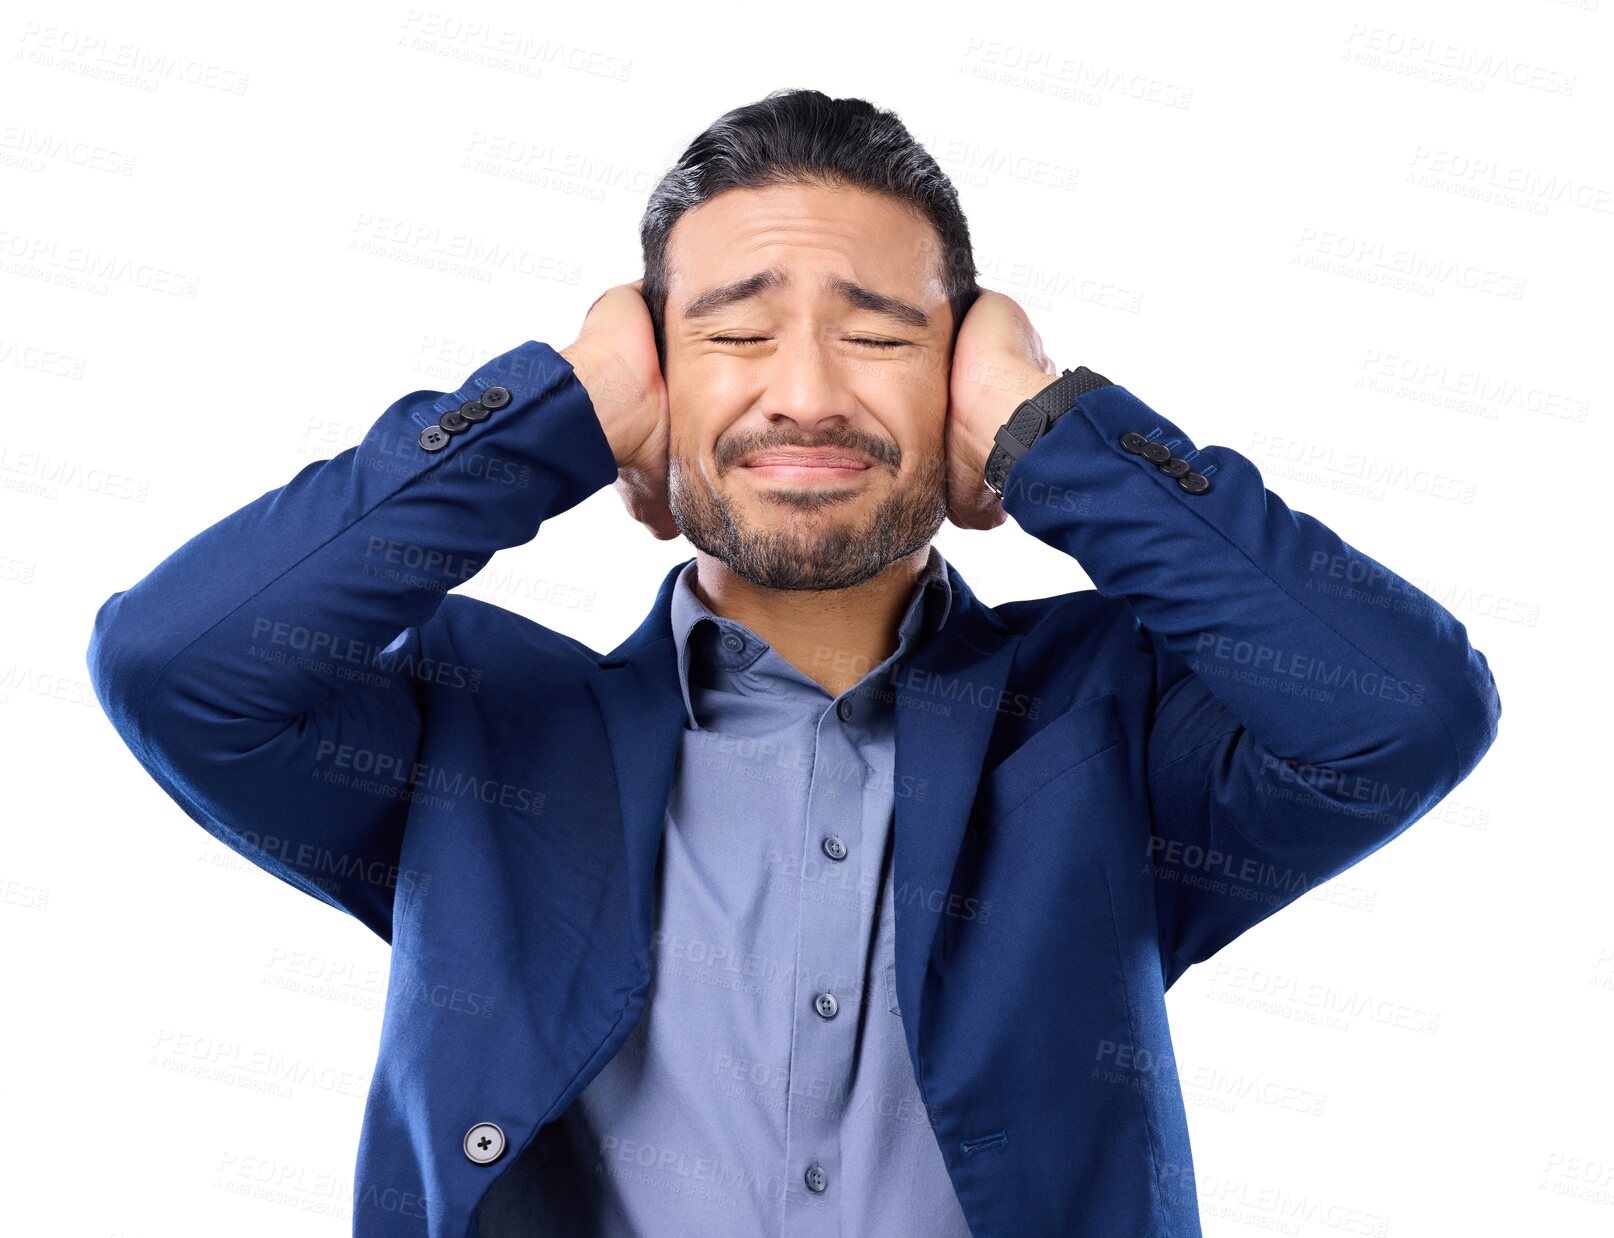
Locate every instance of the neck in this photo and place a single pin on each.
(833, 636)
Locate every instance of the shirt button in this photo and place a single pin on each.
(835, 847)
(826, 1005)
(817, 1179)
(734, 641)
(845, 710)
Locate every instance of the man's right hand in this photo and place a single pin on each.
(614, 357)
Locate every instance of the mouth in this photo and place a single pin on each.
(809, 464)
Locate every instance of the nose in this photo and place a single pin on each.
(807, 385)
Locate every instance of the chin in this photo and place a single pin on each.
(783, 500)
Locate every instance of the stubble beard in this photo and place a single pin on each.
(815, 552)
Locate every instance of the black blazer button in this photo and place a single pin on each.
(1159, 453)
(495, 397)
(473, 410)
(1194, 483)
(1173, 467)
(453, 421)
(434, 438)
(1133, 442)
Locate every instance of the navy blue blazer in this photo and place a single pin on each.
(1095, 790)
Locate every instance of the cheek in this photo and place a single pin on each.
(922, 429)
(910, 398)
(689, 407)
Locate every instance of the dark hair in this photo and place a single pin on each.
(804, 137)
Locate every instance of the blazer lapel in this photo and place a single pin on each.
(946, 704)
(638, 693)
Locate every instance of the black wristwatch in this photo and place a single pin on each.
(1032, 419)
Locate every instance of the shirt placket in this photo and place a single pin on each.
(834, 916)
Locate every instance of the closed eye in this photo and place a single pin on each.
(758, 339)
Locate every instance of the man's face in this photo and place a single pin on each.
(852, 332)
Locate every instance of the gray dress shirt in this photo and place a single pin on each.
(766, 1090)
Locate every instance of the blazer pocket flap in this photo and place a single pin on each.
(1085, 729)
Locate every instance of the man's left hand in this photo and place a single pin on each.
(998, 361)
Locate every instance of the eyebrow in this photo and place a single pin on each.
(713, 300)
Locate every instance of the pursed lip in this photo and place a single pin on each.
(806, 457)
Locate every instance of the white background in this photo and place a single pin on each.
(1293, 230)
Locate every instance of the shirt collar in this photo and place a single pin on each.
(729, 644)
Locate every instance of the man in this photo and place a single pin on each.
(832, 901)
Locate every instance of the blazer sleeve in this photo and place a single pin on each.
(247, 668)
(1309, 704)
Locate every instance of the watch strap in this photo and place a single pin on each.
(1031, 420)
